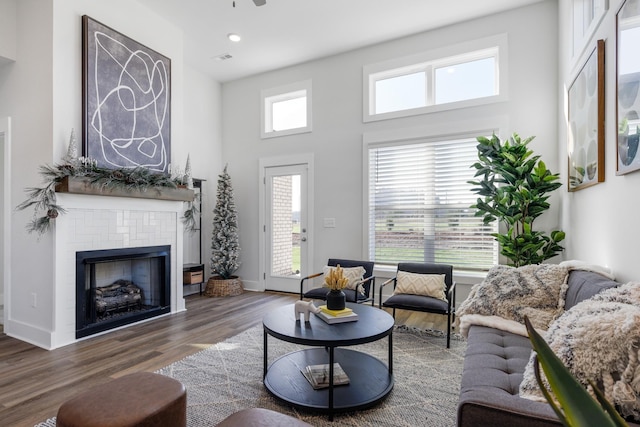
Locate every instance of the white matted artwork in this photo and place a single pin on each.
(587, 15)
(628, 85)
(586, 123)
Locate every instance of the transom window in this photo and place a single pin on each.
(286, 110)
(434, 81)
(419, 203)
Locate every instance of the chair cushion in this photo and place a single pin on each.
(417, 302)
(353, 274)
(431, 285)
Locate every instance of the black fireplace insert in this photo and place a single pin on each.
(115, 287)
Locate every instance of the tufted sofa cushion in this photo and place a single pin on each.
(493, 367)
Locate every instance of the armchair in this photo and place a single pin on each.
(439, 304)
(367, 282)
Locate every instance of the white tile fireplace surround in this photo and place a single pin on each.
(105, 222)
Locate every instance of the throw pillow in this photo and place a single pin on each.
(353, 274)
(598, 340)
(430, 285)
(536, 291)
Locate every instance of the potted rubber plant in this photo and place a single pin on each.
(513, 188)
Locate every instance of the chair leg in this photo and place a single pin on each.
(449, 330)
(394, 314)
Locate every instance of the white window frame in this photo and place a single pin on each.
(283, 93)
(429, 61)
(440, 131)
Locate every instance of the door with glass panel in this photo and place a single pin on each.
(286, 227)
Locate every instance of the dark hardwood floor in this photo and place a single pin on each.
(34, 382)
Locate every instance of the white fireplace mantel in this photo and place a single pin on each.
(95, 222)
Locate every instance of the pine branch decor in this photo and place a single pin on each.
(43, 199)
(225, 249)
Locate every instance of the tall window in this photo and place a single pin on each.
(286, 110)
(419, 200)
(454, 77)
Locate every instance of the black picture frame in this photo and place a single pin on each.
(585, 146)
(126, 101)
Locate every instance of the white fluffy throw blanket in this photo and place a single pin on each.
(599, 339)
(508, 294)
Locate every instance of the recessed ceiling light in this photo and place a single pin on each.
(234, 37)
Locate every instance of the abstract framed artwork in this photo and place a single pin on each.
(585, 146)
(126, 99)
(628, 87)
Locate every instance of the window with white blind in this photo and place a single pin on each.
(419, 205)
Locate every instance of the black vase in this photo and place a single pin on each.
(336, 300)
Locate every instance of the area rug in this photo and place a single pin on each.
(227, 377)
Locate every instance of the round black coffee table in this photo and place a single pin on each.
(370, 380)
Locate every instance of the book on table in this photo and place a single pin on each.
(344, 312)
(351, 317)
(318, 375)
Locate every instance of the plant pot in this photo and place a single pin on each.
(220, 287)
(336, 300)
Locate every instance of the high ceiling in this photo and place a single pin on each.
(287, 32)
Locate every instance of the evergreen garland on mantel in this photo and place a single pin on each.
(225, 249)
(44, 202)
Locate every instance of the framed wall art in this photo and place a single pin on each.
(628, 85)
(586, 123)
(126, 94)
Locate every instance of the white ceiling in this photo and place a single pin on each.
(287, 32)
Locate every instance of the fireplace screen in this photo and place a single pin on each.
(115, 287)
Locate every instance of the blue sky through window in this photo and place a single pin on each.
(469, 80)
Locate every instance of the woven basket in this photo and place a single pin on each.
(219, 287)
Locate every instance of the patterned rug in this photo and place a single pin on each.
(227, 377)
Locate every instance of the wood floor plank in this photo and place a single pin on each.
(35, 382)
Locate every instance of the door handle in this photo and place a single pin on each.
(303, 239)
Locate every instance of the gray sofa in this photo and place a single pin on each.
(494, 364)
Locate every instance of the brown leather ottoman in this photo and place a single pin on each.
(259, 417)
(141, 399)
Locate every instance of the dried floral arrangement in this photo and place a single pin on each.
(335, 280)
(43, 200)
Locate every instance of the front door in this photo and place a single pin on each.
(286, 233)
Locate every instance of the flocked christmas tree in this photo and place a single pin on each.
(224, 243)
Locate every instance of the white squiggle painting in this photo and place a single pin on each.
(128, 120)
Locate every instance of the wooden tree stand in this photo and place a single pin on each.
(219, 287)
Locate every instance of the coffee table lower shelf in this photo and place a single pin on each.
(369, 380)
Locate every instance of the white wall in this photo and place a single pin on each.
(42, 91)
(336, 140)
(203, 138)
(601, 221)
(27, 89)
